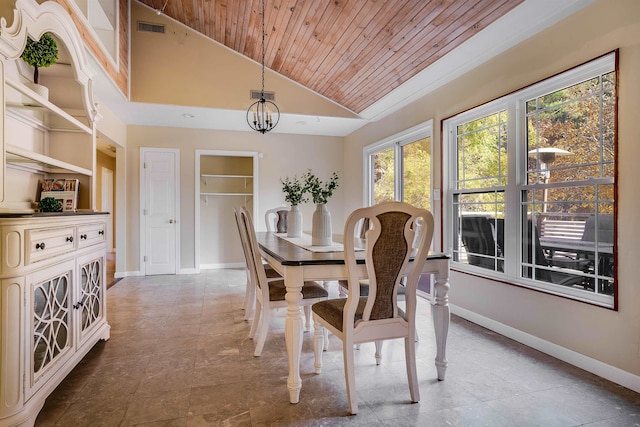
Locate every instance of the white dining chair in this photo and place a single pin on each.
(270, 293)
(250, 289)
(393, 249)
(276, 219)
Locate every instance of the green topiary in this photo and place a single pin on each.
(42, 53)
(49, 204)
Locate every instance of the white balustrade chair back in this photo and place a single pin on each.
(250, 291)
(270, 293)
(393, 248)
(249, 294)
(276, 219)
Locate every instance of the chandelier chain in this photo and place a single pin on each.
(263, 48)
(263, 115)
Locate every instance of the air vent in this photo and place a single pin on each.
(268, 96)
(151, 28)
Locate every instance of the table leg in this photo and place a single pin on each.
(293, 280)
(441, 317)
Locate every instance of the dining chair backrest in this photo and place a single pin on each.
(249, 297)
(276, 219)
(242, 232)
(253, 253)
(390, 244)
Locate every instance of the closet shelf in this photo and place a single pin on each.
(204, 175)
(226, 194)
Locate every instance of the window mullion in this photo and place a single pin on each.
(512, 211)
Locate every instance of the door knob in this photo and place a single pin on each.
(170, 221)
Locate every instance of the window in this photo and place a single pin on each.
(399, 168)
(530, 183)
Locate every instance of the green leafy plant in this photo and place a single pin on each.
(49, 204)
(294, 190)
(42, 53)
(320, 191)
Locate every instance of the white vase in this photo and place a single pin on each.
(294, 222)
(321, 226)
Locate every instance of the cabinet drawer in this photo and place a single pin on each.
(91, 234)
(43, 243)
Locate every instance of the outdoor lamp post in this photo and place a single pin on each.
(546, 156)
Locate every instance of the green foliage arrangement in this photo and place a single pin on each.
(294, 190)
(320, 191)
(42, 53)
(49, 204)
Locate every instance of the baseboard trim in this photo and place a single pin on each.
(611, 373)
(121, 275)
(222, 266)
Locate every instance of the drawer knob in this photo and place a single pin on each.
(78, 305)
(40, 245)
(70, 239)
(101, 232)
(83, 237)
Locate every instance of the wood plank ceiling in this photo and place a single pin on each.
(353, 52)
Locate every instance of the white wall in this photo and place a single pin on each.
(282, 155)
(608, 336)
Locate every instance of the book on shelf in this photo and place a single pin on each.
(60, 185)
(63, 190)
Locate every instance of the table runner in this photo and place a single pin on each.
(305, 243)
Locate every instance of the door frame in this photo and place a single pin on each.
(199, 153)
(104, 172)
(143, 219)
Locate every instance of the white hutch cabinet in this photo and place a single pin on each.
(52, 265)
(53, 304)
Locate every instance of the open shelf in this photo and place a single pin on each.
(204, 175)
(40, 163)
(226, 194)
(25, 105)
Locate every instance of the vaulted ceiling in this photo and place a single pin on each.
(353, 52)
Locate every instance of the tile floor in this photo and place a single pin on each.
(179, 356)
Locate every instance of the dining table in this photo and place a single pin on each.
(298, 262)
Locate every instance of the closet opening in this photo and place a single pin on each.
(224, 180)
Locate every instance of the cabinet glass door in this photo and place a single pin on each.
(91, 293)
(51, 320)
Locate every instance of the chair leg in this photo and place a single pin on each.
(256, 319)
(412, 374)
(262, 331)
(326, 339)
(318, 343)
(307, 316)
(349, 375)
(378, 351)
(249, 298)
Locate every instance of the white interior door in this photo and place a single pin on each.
(107, 203)
(159, 195)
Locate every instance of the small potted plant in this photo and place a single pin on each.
(49, 204)
(40, 54)
(294, 193)
(320, 193)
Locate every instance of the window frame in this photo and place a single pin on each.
(397, 141)
(515, 106)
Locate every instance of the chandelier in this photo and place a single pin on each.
(263, 115)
